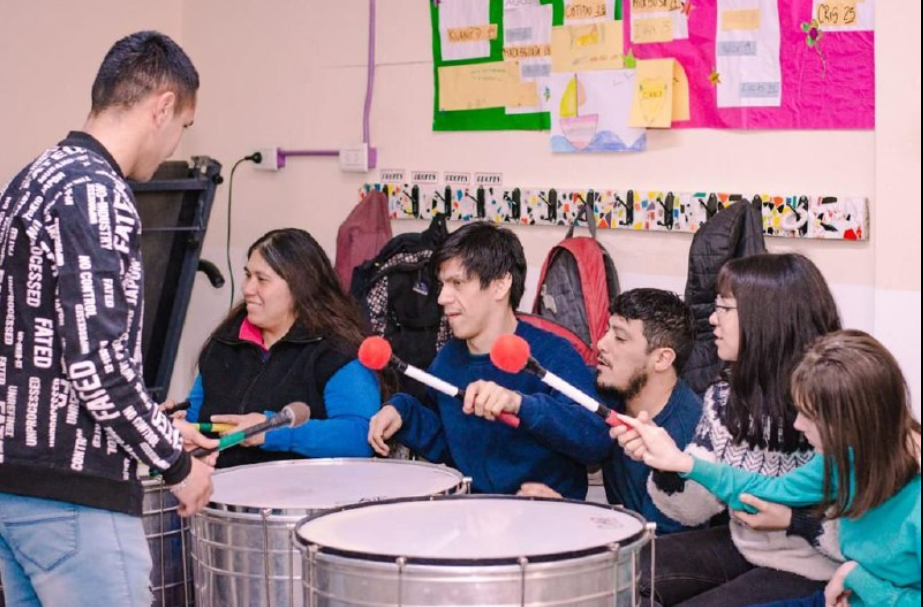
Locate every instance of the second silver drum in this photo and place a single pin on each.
(243, 551)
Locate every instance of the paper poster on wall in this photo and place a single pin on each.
(652, 102)
(484, 85)
(592, 46)
(590, 112)
(658, 20)
(462, 25)
(747, 51)
(813, 76)
(527, 39)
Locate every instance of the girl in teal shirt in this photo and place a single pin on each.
(853, 407)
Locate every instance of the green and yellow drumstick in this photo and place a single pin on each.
(214, 426)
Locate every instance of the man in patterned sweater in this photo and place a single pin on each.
(75, 418)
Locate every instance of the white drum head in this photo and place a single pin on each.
(322, 484)
(479, 528)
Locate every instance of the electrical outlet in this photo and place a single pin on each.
(269, 159)
(355, 159)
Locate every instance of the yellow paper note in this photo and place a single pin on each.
(473, 33)
(655, 6)
(585, 9)
(580, 48)
(680, 93)
(747, 19)
(483, 85)
(652, 106)
(655, 29)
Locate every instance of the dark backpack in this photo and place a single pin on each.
(577, 285)
(398, 293)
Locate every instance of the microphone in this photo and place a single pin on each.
(291, 415)
(511, 353)
(375, 353)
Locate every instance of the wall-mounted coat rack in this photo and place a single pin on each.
(788, 215)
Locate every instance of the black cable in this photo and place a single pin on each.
(257, 158)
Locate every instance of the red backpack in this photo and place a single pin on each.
(577, 285)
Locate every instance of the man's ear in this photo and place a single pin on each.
(501, 287)
(164, 106)
(664, 359)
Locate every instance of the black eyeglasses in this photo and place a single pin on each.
(723, 308)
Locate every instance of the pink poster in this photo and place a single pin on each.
(817, 67)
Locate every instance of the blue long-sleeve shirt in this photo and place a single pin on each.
(885, 541)
(351, 397)
(626, 479)
(554, 443)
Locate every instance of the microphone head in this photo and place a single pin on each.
(297, 413)
(375, 352)
(510, 353)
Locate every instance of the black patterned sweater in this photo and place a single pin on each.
(75, 418)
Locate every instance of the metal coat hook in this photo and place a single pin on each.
(628, 205)
(667, 205)
(551, 204)
(446, 198)
(514, 199)
(711, 206)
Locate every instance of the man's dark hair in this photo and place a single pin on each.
(667, 322)
(140, 64)
(487, 252)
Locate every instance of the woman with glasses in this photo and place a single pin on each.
(768, 309)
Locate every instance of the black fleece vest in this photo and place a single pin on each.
(239, 378)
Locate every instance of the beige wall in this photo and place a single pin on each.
(291, 73)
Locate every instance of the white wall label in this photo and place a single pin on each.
(392, 176)
(488, 179)
(462, 180)
(424, 177)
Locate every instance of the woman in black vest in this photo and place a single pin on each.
(294, 337)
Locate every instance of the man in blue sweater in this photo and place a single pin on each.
(481, 270)
(650, 337)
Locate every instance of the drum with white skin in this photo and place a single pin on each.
(472, 550)
(242, 542)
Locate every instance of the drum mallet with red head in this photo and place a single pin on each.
(511, 353)
(376, 354)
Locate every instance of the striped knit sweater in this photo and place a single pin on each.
(808, 549)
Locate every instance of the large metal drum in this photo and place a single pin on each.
(167, 537)
(472, 550)
(243, 549)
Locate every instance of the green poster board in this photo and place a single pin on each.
(489, 119)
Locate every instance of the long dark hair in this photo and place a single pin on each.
(783, 303)
(853, 389)
(322, 307)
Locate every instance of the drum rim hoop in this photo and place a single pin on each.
(222, 508)
(304, 544)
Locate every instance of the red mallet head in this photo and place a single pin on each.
(375, 353)
(510, 353)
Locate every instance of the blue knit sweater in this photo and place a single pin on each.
(554, 443)
(626, 479)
